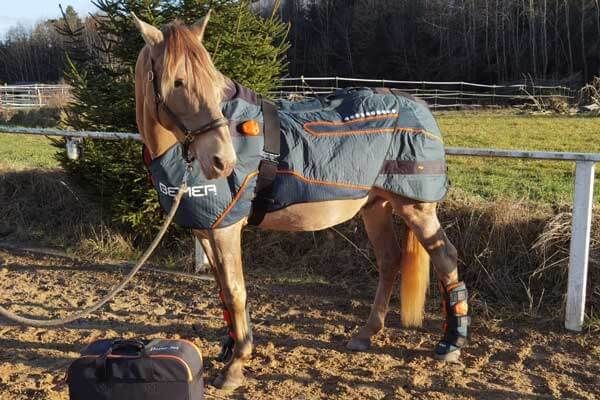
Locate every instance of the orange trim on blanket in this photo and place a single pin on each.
(326, 183)
(235, 198)
(370, 131)
(350, 122)
(307, 127)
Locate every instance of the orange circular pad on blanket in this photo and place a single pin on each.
(250, 127)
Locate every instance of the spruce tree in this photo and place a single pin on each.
(244, 46)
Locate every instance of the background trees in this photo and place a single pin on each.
(474, 40)
(38, 54)
(31, 55)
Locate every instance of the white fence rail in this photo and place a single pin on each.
(438, 95)
(582, 206)
(33, 96)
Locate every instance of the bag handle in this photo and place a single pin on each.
(102, 371)
(136, 345)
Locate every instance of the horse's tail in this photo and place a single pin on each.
(414, 281)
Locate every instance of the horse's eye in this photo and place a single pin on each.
(178, 83)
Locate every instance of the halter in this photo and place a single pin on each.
(189, 135)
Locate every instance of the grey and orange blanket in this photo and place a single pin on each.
(332, 148)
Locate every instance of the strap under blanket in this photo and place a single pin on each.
(267, 170)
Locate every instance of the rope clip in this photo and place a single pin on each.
(187, 172)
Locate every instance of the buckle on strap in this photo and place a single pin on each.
(268, 156)
(267, 172)
(456, 340)
(462, 321)
(457, 296)
(452, 335)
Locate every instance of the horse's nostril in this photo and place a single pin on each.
(218, 163)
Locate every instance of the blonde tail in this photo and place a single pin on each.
(414, 281)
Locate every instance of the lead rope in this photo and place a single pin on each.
(38, 323)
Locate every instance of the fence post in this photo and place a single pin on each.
(580, 245)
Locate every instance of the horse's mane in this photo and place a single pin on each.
(204, 81)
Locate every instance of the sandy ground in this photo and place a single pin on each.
(300, 333)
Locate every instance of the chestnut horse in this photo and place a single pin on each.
(175, 71)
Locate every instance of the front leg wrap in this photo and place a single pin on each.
(226, 353)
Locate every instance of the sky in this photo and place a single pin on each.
(28, 12)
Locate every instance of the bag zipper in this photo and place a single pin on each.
(171, 357)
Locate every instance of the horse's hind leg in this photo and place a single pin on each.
(377, 217)
(203, 237)
(422, 219)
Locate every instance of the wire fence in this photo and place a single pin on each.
(437, 94)
(33, 96)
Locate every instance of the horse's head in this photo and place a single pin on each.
(184, 92)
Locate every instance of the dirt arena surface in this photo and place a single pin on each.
(300, 334)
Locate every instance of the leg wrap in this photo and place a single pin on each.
(456, 325)
(229, 343)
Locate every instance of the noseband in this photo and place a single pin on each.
(189, 135)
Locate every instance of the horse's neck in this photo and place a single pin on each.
(157, 138)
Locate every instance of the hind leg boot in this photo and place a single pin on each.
(456, 325)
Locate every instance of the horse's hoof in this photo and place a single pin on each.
(227, 383)
(359, 344)
(453, 356)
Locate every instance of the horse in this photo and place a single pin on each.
(187, 110)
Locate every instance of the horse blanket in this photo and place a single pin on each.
(332, 148)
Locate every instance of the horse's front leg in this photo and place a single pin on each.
(225, 256)
(377, 217)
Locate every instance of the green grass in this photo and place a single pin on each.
(539, 181)
(488, 178)
(25, 151)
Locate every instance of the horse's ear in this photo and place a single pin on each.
(199, 27)
(151, 34)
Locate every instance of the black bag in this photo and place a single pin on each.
(130, 370)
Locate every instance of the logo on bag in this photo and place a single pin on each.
(163, 348)
(151, 388)
(102, 387)
(192, 191)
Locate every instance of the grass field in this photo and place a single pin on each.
(539, 181)
(20, 151)
(533, 180)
